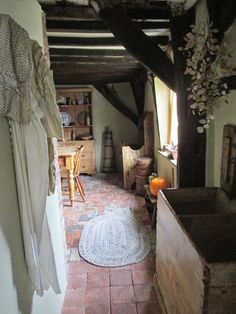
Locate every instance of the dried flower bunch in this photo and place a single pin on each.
(205, 84)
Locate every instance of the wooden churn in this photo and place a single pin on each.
(109, 154)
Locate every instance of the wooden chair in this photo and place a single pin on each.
(78, 182)
(76, 173)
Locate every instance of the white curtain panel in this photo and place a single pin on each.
(31, 167)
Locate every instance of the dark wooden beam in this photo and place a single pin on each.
(138, 44)
(149, 13)
(97, 26)
(94, 41)
(222, 14)
(138, 87)
(116, 102)
(112, 53)
(191, 144)
(80, 78)
(230, 82)
(91, 59)
(65, 12)
(69, 80)
(74, 67)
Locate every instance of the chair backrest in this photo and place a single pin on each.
(77, 160)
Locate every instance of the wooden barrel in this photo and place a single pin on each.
(144, 162)
(109, 154)
(140, 182)
(108, 162)
(108, 141)
(108, 169)
(108, 135)
(144, 172)
(108, 151)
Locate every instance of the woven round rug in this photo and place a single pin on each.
(114, 239)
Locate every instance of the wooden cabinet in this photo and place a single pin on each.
(75, 105)
(87, 164)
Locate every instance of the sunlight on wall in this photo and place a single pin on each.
(166, 103)
(224, 113)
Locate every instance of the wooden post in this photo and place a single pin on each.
(192, 145)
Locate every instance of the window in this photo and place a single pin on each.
(166, 102)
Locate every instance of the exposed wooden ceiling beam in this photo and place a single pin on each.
(230, 82)
(222, 13)
(139, 44)
(63, 12)
(92, 59)
(74, 67)
(116, 102)
(88, 52)
(97, 26)
(60, 12)
(138, 87)
(81, 79)
(107, 41)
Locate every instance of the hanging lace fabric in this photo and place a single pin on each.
(30, 152)
(44, 92)
(15, 71)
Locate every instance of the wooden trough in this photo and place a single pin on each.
(196, 251)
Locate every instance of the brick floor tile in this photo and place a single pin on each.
(144, 293)
(126, 267)
(76, 268)
(142, 277)
(122, 294)
(127, 308)
(74, 310)
(97, 296)
(98, 279)
(82, 267)
(76, 281)
(104, 192)
(97, 309)
(148, 308)
(120, 278)
(74, 297)
(147, 264)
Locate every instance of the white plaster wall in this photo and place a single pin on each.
(150, 106)
(125, 93)
(16, 295)
(26, 13)
(223, 114)
(123, 130)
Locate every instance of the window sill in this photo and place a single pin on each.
(165, 154)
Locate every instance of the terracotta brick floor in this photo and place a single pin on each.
(102, 290)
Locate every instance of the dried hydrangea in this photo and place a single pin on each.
(205, 84)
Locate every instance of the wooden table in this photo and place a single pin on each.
(153, 201)
(68, 154)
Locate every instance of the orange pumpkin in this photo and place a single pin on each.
(157, 184)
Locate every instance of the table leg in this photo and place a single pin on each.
(71, 186)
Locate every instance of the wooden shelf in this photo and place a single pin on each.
(81, 106)
(78, 126)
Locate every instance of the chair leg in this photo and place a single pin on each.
(80, 188)
(81, 184)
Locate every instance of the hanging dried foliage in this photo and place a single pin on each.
(201, 64)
